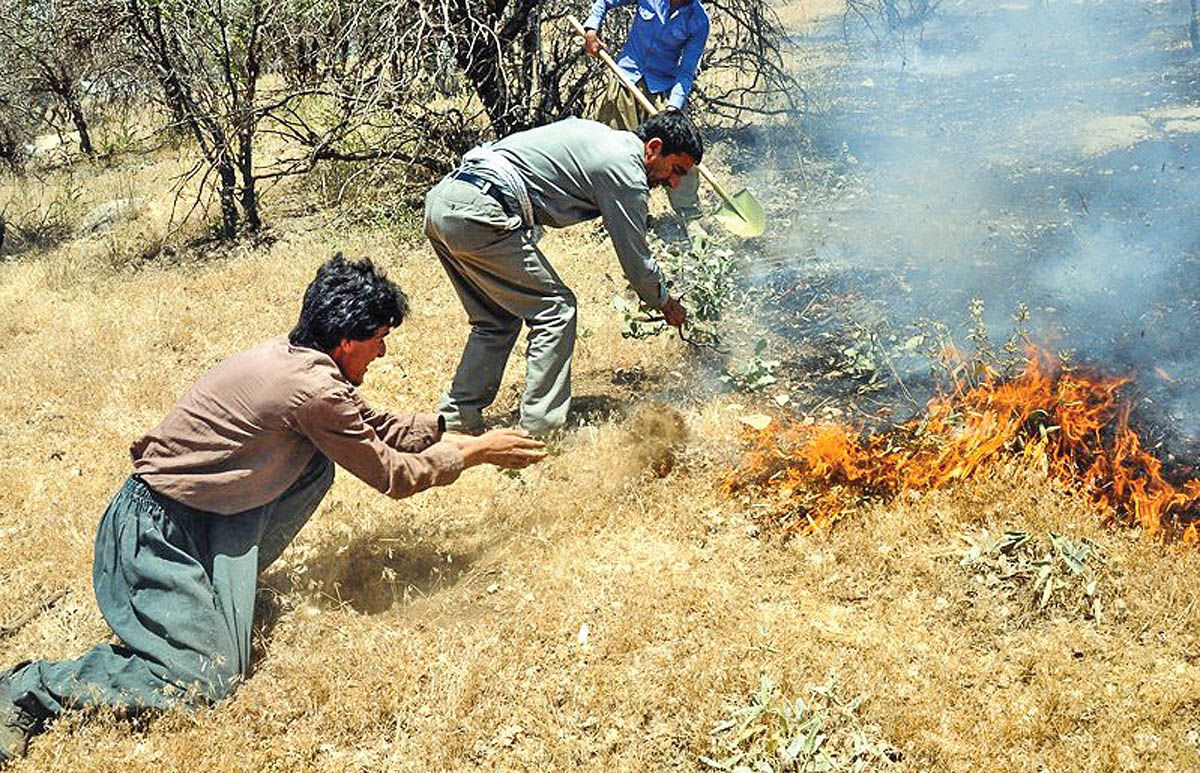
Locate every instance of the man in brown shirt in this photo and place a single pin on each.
(222, 485)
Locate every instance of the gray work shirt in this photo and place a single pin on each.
(578, 170)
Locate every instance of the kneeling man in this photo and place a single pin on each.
(220, 488)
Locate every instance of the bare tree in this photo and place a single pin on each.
(1194, 25)
(887, 19)
(523, 62)
(408, 81)
(207, 56)
(745, 55)
(67, 50)
(519, 61)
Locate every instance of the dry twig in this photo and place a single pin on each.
(37, 609)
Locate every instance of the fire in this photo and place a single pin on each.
(1067, 422)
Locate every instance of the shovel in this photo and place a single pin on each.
(740, 213)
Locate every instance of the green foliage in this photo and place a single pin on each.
(706, 277)
(1018, 340)
(754, 373)
(702, 278)
(978, 334)
(938, 346)
(1056, 574)
(864, 356)
(774, 733)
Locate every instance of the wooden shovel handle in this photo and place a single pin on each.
(621, 76)
(647, 105)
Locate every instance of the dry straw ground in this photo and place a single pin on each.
(589, 614)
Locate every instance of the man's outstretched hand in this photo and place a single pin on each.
(674, 314)
(592, 43)
(510, 448)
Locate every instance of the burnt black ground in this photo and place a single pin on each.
(1038, 153)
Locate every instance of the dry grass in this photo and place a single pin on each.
(443, 632)
(447, 632)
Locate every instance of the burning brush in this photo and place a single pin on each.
(1070, 423)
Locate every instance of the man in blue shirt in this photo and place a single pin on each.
(661, 56)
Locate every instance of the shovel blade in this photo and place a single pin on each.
(742, 215)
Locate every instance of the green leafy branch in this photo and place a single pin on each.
(754, 373)
(773, 733)
(1059, 573)
(703, 280)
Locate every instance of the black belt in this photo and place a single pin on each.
(487, 188)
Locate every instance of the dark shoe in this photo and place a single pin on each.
(669, 229)
(17, 726)
(459, 424)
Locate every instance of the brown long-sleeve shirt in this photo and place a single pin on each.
(247, 429)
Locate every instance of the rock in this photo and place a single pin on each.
(46, 143)
(107, 214)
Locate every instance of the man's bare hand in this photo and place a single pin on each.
(592, 43)
(511, 449)
(674, 313)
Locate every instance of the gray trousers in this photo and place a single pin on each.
(176, 586)
(502, 280)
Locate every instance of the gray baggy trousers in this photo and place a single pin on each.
(502, 280)
(176, 586)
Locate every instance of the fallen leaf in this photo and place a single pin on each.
(757, 421)
(1164, 375)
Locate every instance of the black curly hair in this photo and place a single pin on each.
(348, 300)
(677, 132)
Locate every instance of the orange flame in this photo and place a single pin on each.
(1069, 423)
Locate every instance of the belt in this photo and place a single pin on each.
(487, 188)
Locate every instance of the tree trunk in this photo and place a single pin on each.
(1194, 26)
(62, 84)
(249, 194)
(530, 65)
(499, 27)
(85, 139)
(484, 69)
(247, 120)
(228, 196)
(11, 149)
(149, 32)
(173, 94)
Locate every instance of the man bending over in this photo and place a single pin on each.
(483, 222)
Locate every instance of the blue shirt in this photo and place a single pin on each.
(664, 46)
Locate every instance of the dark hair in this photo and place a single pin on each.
(677, 132)
(347, 300)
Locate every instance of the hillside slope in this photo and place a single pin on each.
(606, 610)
